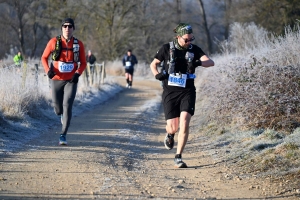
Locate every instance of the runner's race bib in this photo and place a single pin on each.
(177, 80)
(127, 64)
(65, 67)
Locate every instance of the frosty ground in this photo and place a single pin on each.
(116, 151)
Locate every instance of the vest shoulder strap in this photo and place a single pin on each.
(75, 40)
(57, 50)
(171, 62)
(172, 52)
(75, 50)
(172, 46)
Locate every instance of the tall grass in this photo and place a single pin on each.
(26, 92)
(18, 99)
(255, 82)
(249, 101)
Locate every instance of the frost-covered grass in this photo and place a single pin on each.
(20, 93)
(249, 101)
(247, 104)
(255, 87)
(25, 103)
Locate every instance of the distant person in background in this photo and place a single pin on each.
(180, 58)
(91, 61)
(129, 60)
(18, 59)
(64, 72)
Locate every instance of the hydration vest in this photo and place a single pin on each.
(172, 60)
(58, 49)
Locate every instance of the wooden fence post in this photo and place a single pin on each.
(24, 74)
(36, 74)
(103, 74)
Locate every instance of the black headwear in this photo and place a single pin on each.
(68, 20)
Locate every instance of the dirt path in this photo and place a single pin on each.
(116, 151)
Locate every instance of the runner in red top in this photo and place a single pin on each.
(67, 64)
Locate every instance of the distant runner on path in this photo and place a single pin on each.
(129, 60)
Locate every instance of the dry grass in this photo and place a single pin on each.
(19, 96)
(257, 87)
(249, 101)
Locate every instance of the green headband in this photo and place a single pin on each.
(183, 29)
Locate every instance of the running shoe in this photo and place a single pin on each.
(62, 140)
(169, 141)
(127, 85)
(179, 163)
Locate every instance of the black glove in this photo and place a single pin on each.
(161, 76)
(197, 63)
(75, 78)
(192, 66)
(51, 74)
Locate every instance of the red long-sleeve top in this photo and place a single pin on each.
(66, 56)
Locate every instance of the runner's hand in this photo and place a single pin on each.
(192, 66)
(161, 76)
(51, 74)
(75, 78)
(197, 63)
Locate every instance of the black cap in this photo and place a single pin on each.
(68, 20)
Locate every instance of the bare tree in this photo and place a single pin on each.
(110, 25)
(206, 28)
(178, 3)
(15, 18)
(23, 19)
(227, 8)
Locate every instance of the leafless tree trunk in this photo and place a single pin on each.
(227, 5)
(15, 19)
(178, 2)
(205, 26)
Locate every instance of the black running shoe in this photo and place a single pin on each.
(179, 163)
(169, 141)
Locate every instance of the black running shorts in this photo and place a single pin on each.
(175, 102)
(129, 71)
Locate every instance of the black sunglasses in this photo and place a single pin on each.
(188, 40)
(65, 26)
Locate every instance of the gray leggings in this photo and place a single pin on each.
(63, 95)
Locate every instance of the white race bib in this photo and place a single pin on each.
(177, 80)
(65, 67)
(127, 63)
